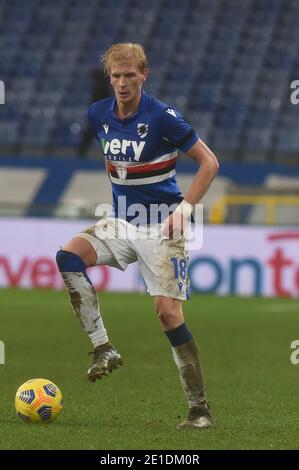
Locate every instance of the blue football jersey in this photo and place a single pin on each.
(141, 153)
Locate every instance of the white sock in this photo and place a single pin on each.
(85, 303)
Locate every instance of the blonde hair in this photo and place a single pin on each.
(125, 53)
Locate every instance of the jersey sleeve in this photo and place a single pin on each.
(176, 130)
(93, 120)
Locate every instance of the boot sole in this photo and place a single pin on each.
(190, 425)
(102, 372)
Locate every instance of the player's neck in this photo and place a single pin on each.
(125, 110)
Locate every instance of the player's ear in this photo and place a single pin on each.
(145, 74)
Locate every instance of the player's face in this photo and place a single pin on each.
(127, 81)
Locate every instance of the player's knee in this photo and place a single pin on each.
(60, 259)
(69, 262)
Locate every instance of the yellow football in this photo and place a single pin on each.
(38, 401)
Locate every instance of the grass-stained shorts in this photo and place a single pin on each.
(163, 262)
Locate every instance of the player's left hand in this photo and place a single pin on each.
(174, 226)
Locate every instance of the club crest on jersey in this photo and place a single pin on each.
(142, 129)
(121, 172)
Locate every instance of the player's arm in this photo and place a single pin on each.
(181, 135)
(175, 224)
(209, 166)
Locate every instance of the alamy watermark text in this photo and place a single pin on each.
(2, 353)
(2, 92)
(294, 97)
(294, 357)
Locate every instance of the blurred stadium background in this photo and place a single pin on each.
(228, 66)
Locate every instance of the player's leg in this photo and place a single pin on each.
(186, 357)
(72, 262)
(164, 266)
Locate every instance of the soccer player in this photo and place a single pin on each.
(140, 137)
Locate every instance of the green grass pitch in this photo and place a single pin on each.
(245, 349)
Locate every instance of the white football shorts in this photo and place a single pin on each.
(163, 263)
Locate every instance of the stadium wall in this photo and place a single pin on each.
(234, 260)
(45, 184)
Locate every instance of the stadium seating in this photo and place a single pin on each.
(227, 67)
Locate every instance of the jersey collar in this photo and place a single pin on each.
(141, 107)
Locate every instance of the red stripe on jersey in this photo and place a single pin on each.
(144, 168)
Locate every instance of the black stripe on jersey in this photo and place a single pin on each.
(185, 139)
(146, 174)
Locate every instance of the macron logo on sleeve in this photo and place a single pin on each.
(171, 111)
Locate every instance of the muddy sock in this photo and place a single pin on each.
(82, 295)
(186, 357)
